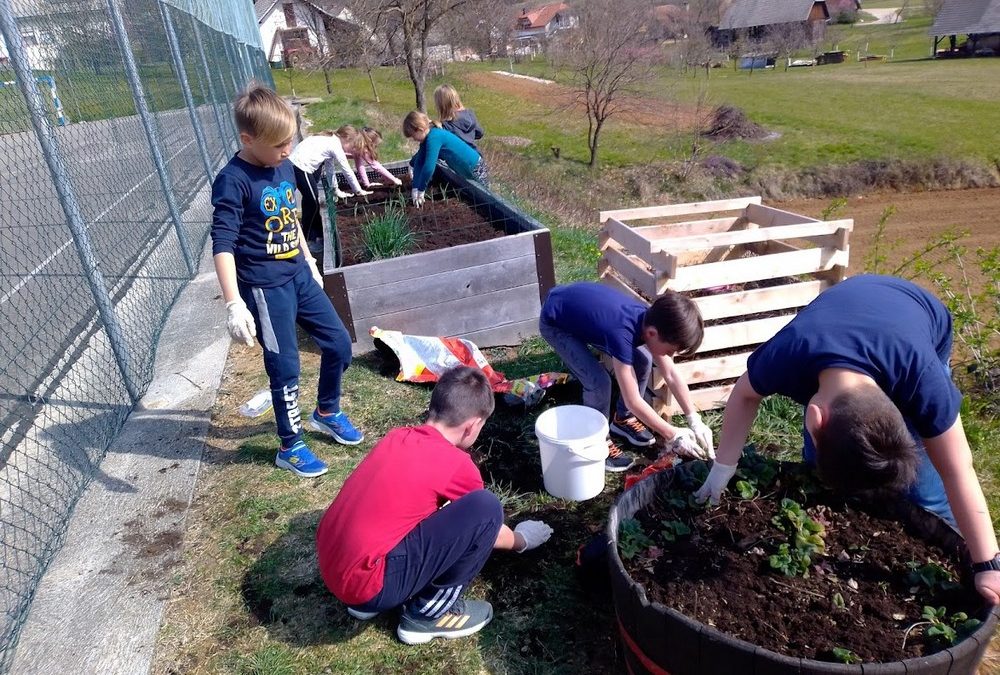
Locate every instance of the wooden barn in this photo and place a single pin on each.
(757, 19)
(978, 20)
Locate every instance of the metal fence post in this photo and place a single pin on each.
(211, 92)
(67, 195)
(175, 52)
(135, 84)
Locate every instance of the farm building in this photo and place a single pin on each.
(758, 19)
(532, 27)
(302, 29)
(978, 20)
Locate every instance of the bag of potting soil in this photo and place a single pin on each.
(425, 359)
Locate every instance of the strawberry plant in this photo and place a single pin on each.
(845, 655)
(931, 576)
(805, 540)
(672, 529)
(944, 629)
(632, 540)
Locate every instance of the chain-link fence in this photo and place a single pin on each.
(114, 117)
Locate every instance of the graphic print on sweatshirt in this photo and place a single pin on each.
(281, 220)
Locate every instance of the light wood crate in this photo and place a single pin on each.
(749, 268)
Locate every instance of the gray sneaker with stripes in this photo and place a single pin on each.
(463, 618)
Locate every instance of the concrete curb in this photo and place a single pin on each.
(99, 606)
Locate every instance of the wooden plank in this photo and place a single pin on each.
(759, 300)
(631, 270)
(768, 216)
(709, 398)
(690, 227)
(609, 277)
(441, 287)
(738, 237)
(416, 265)
(750, 332)
(460, 317)
(336, 290)
(671, 210)
(754, 269)
(625, 236)
(544, 265)
(706, 369)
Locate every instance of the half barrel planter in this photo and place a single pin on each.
(658, 640)
(489, 292)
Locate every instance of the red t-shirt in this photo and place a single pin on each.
(406, 477)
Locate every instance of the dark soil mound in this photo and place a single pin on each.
(729, 123)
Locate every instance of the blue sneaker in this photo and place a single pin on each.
(338, 426)
(299, 460)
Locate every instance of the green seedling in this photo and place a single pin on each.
(745, 490)
(673, 529)
(932, 576)
(805, 540)
(388, 235)
(845, 655)
(631, 539)
(838, 601)
(946, 630)
(757, 470)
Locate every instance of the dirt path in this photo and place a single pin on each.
(641, 110)
(920, 217)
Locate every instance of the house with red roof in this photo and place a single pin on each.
(532, 27)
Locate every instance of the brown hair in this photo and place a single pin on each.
(348, 135)
(260, 112)
(864, 443)
(447, 102)
(461, 394)
(677, 321)
(414, 122)
(368, 142)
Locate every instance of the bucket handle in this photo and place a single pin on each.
(579, 452)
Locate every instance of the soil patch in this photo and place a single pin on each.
(861, 595)
(728, 122)
(442, 222)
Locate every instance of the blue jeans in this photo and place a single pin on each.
(927, 490)
(300, 301)
(587, 368)
(434, 564)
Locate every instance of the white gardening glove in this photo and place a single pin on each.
(314, 270)
(375, 184)
(363, 193)
(340, 194)
(417, 196)
(716, 482)
(397, 182)
(240, 322)
(684, 444)
(702, 434)
(534, 532)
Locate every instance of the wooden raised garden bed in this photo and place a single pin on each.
(748, 266)
(481, 270)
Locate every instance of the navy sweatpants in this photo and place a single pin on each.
(276, 311)
(430, 568)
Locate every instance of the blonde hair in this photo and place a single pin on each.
(414, 122)
(260, 112)
(368, 142)
(348, 135)
(447, 102)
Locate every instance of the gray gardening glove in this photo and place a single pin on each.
(534, 532)
(417, 196)
(715, 484)
(702, 434)
(685, 444)
(240, 322)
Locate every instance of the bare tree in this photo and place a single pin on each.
(786, 39)
(610, 60)
(411, 22)
(483, 26)
(370, 43)
(932, 7)
(322, 57)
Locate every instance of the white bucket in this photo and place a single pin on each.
(573, 441)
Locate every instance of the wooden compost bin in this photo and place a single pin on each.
(749, 268)
(489, 292)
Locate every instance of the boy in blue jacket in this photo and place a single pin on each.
(269, 278)
(435, 142)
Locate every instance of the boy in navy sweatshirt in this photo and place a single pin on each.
(269, 278)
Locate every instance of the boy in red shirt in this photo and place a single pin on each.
(413, 524)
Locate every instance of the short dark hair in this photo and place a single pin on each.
(864, 443)
(460, 394)
(677, 320)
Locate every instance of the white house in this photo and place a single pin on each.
(533, 26)
(299, 26)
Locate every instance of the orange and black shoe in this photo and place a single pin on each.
(632, 430)
(617, 460)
